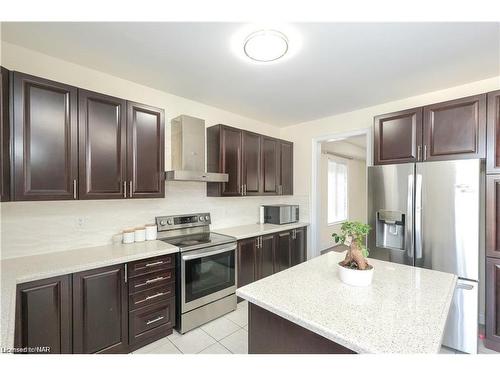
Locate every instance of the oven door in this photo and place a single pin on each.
(207, 275)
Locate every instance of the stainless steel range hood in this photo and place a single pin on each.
(187, 146)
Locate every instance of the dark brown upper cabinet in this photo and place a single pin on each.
(286, 168)
(102, 146)
(398, 137)
(100, 311)
(256, 164)
(455, 129)
(251, 163)
(493, 136)
(493, 216)
(43, 315)
(145, 151)
(4, 135)
(271, 156)
(492, 340)
(45, 149)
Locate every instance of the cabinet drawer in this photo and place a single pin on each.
(150, 280)
(144, 266)
(151, 296)
(150, 317)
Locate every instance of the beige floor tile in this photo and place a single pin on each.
(192, 342)
(215, 349)
(481, 349)
(239, 316)
(165, 348)
(446, 350)
(237, 342)
(220, 328)
(150, 347)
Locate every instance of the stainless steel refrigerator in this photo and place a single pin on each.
(428, 215)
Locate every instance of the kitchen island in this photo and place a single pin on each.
(307, 309)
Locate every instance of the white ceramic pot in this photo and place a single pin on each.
(355, 277)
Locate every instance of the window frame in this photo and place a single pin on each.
(337, 160)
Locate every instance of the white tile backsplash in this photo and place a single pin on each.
(41, 227)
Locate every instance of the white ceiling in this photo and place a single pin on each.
(340, 66)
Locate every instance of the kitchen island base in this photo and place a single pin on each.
(269, 333)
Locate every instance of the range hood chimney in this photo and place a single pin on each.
(187, 146)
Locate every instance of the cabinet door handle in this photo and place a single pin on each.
(150, 297)
(245, 189)
(151, 281)
(425, 152)
(124, 189)
(74, 189)
(419, 152)
(126, 273)
(241, 189)
(130, 189)
(155, 320)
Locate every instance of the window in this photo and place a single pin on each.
(337, 191)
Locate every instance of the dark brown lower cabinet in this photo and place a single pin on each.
(246, 261)
(265, 256)
(100, 311)
(262, 256)
(43, 315)
(492, 340)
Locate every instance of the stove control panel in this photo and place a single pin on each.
(182, 221)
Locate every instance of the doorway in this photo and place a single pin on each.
(339, 191)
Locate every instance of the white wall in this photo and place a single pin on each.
(39, 227)
(356, 185)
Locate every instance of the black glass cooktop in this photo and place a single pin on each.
(195, 241)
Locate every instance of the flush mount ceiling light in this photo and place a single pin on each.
(265, 45)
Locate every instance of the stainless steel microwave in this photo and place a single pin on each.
(281, 214)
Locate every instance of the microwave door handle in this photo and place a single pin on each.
(207, 253)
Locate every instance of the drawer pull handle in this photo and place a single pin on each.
(154, 263)
(150, 281)
(150, 297)
(155, 320)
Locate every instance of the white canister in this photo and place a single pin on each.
(150, 232)
(128, 236)
(140, 234)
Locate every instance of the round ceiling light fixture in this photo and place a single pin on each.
(266, 45)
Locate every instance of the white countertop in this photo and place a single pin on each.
(403, 311)
(254, 230)
(37, 267)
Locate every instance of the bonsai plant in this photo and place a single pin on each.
(353, 234)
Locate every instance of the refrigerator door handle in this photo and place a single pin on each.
(409, 215)
(418, 216)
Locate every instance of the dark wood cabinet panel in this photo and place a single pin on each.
(455, 129)
(231, 160)
(493, 216)
(283, 246)
(43, 315)
(270, 165)
(246, 261)
(492, 340)
(44, 139)
(145, 151)
(100, 311)
(286, 168)
(251, 163)
(4, 135)
(493, 136)
(102, 146)
(265, 255)
(398, 136)
(298, 246)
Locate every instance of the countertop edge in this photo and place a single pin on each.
(258, 231)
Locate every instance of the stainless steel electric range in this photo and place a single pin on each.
(205, 269)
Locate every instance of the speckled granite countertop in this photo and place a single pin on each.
(254, 230)
(403, 311)
(37, 267)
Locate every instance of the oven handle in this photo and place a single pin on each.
(204, 253)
